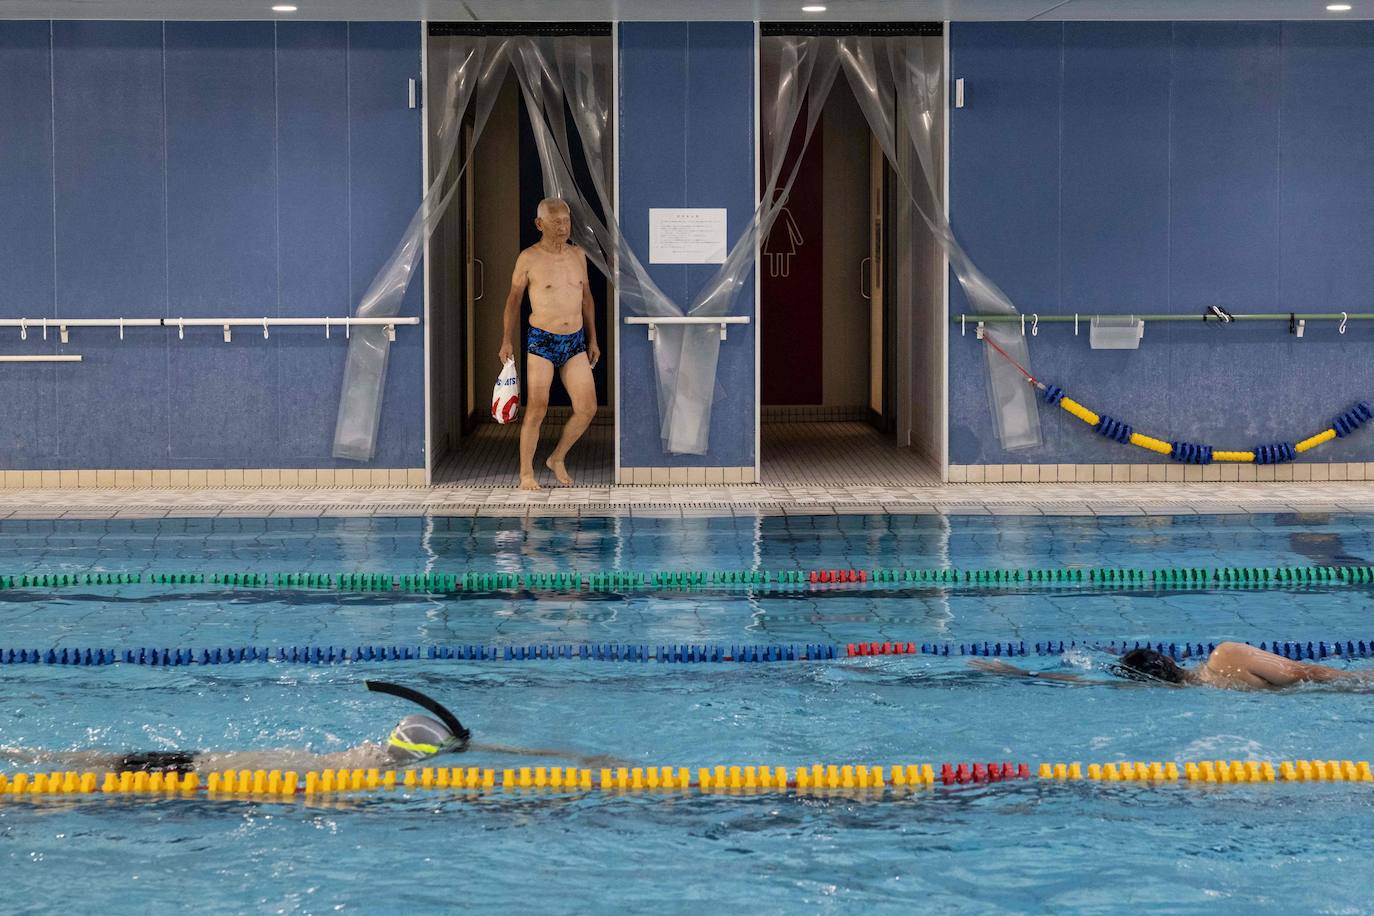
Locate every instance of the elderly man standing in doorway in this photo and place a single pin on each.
(562, 336)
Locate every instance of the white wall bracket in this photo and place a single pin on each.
(723, 321)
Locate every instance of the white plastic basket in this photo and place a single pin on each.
(1116, 332)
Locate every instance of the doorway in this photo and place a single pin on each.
(471, 255)
(851, 306)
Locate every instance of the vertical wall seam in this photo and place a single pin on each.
(1169, 396)
(52, 160)
(276, 350)
(1169, 178)
(686, 272)
(276, 156)
(52, 151)
(1278, 170)
(166, 244)
(348, 122)
(1059, 165)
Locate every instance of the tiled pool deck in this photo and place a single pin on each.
(676, 501)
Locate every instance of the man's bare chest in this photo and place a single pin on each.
(555, 275)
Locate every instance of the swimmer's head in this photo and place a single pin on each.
(1149, 665)
(554, 218)
(418, 737)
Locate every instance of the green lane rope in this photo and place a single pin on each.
(618, 581)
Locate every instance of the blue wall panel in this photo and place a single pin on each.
(1196, 163)
(111, 239)
(245, 169)
(385, 134)
(222, 237)
(313, 201)
(1327, 190)
(1004, 201)
(28, 419)
(687, 140)
(1225, 229)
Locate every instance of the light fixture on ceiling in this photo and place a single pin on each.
(283, 8)
(815, 8)
(1338, 7)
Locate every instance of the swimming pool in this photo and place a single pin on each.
(1016, 845)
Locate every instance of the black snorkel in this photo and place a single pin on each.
(461, 735)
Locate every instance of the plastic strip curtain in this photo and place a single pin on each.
(475, 67)
(898, 82)
(564, 71)
(572, 74)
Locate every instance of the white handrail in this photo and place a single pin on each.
(723, 321)
(181, 323)
(42, 358)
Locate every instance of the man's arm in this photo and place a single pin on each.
(589, 315)
(1275, 670)
(519, 280)
(992, 666)
(593, 760)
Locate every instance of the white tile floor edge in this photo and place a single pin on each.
(696, 500)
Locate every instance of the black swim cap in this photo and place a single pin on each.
(1149, 665)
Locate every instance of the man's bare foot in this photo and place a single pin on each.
(527, 482)
(560, 470)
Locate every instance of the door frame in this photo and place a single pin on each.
(424, 187)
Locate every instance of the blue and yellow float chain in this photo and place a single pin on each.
(1195, 453)
(1192, 452)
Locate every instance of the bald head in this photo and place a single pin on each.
(551, 206)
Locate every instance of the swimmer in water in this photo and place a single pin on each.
(1231, 665)
(415, 738)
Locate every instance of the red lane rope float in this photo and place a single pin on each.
(837, 575)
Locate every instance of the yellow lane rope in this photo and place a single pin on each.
(290, 784)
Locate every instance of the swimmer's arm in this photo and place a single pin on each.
(32, 756)
(1000, 667)
(582, 759)
(1231, 659)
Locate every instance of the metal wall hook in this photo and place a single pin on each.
(121, 328)
(326, 327)
(23, 329)
(265, 332)
(181, 329)
(1035, 324)
(1344, 317)
(45, 328)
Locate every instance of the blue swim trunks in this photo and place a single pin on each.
(556, 348)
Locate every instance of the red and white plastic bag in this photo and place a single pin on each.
(505, 397)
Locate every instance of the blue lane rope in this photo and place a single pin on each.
(630, 652)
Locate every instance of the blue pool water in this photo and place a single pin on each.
(1022, 846)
